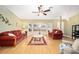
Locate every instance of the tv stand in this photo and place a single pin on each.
(75, 31)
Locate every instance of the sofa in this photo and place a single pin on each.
(11, 38)
(55, 34)
(66, 47)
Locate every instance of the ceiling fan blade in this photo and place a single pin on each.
(46, 10)
(35, 12)
(40, 8)
(44, 14)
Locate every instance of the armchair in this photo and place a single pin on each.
(70, 48)
(55, 34)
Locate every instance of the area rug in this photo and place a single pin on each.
(37, 41)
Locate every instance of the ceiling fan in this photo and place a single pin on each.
(41, 11)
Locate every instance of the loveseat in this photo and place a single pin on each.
(11, 38)
(55, 34)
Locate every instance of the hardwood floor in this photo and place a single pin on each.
(52, 47)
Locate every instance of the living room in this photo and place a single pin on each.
(27, 29)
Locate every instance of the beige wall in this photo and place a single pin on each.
(68, 24)
(13, 20)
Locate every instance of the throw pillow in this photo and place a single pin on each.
(10, 34)
(56, 31)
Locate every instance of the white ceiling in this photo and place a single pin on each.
(25, 11)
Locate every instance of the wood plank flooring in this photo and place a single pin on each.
(52, 47)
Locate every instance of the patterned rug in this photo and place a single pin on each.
(37, 41)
